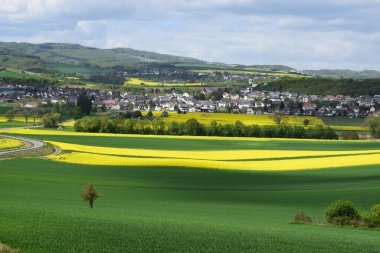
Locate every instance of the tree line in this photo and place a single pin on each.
(52, 114)
(30, 81)
(325, 86)
(157, 126)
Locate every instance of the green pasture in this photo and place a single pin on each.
(344, 121)
(172, 143)
(4, 107)
(9, 73)
(79, 69)
(9, 124)
(158, 209)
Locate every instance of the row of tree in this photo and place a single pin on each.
(195, 128)
(30, 81)
(52, 114)
(325, 86)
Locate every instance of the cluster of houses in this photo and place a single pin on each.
(29, 95)
(247, 101)
(259, 102)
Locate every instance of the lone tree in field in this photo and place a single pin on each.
(306, 122)
(278, 118)
(89, 194)
(10, 115)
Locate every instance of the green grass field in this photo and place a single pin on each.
(9, 73)
(344, 121)
(4, 107)
(14, 124)
(72, 68)
(168, 209)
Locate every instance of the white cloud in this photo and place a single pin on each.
(303, 34)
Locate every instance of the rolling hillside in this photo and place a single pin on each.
(186, 194)
(76, 58)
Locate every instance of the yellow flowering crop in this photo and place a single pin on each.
(247, 119)
(223, 155)
(6, 143)
(138, 81)
(68, 123)
(19, 119)
(278, 165)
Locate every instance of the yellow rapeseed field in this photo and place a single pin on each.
(68, 123)
(278, 165)
(224, 155)
(19, 119)
(247, 119)
(244, 159)
(6, 143)
(138, 81)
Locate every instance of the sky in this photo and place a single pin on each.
(304, 34)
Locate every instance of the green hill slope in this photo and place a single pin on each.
(69, 57)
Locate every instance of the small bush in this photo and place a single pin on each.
(366, 220)
(342, 212)
(372, 218)
(301, 217)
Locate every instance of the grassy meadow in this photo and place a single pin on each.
(4, 107)
(10, 73)
(172, 208)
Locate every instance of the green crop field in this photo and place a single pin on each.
(14, 124)
(4, 107)
(182, 209)
(344, 121)
(8, 73)
(72, 68)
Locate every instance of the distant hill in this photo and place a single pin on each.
(83, 60)
(346, 73)
(73, 57)
(223, 66)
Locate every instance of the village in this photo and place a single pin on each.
(245, 101)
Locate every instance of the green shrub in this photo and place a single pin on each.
(372, 218)
(375, 211)
(301, 217)
(366, 221)
(342, 212)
